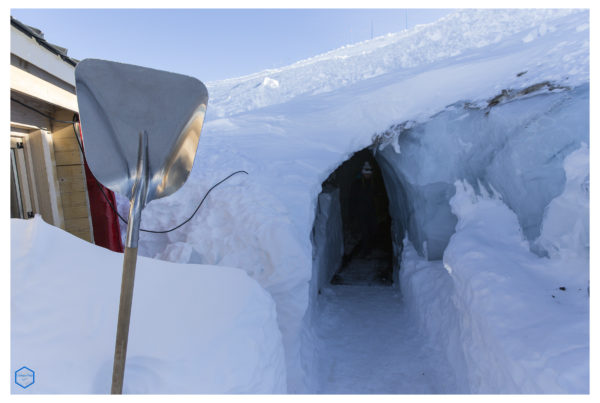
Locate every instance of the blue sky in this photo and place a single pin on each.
(214, 44)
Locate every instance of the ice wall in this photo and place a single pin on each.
(513, 146)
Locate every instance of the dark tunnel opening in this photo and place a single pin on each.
(368, 253)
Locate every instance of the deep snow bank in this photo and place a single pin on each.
(427, 291)
(565, 233)
(292, 135)
(509, 321)
(194, 329)
(449, 37)
(516, 148)
(524, 320)
(243, 225)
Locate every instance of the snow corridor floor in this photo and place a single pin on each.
(368, 344)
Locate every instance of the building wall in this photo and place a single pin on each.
(54, 162)
(72, 183)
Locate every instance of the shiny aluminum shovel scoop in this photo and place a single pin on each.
(140, 130)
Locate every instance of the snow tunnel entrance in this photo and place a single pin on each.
(367, 253)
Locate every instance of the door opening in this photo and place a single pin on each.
(367, 241)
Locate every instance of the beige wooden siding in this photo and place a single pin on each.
(24, 82)
(19, 115)
(54, 157)
(72, 183)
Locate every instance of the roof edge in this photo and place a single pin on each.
(38, 36)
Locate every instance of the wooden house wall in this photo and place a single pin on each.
(57, 165)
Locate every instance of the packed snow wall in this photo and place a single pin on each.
(194, 328)
(520, 164)
(240, 225)
(512, 149)
(327, 239)
(514, 146)
(523, 320)
(290, 137)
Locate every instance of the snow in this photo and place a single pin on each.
(194, 329)
(352, 339)
(481, 122)
(270, 83)
(569, 238)
(515, 148)
(524, 320)
(450, 37)
(427, 289)
(290, 138)
(328, 241)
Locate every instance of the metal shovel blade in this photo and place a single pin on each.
(119, 101)
(141, 129)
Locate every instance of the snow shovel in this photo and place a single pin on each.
(140, 130)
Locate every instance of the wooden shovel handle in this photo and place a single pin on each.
(129, 262)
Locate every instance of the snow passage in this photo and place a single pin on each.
(481, 122)
(497, 98)
(370, 344)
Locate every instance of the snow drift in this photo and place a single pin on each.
(515, 147)
(524, 321)
(194, 329)
(493, 99)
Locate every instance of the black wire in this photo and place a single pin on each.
(197, 208)
(76, 120)
(124, 220)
